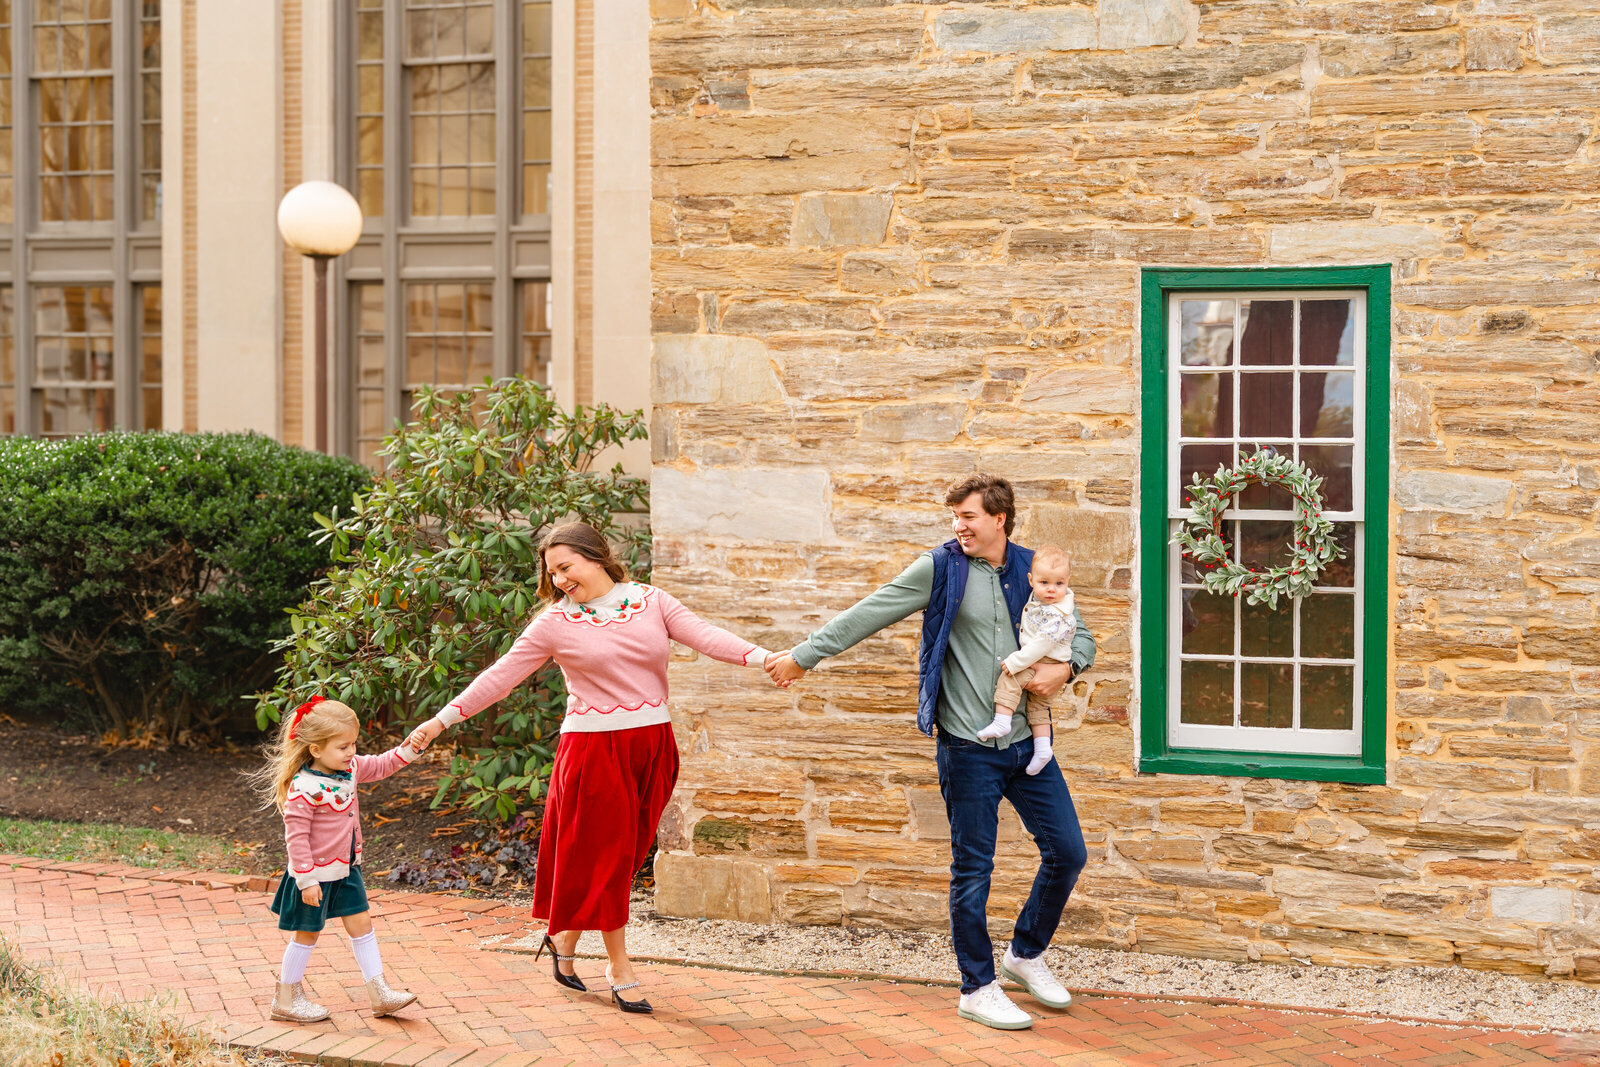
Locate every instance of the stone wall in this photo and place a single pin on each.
(898, 243)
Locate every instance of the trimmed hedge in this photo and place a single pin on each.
(145, 576)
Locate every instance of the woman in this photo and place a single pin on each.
(617, 760)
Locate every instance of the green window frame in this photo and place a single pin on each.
(1157, 754)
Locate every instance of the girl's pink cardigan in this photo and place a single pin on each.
(322, 817)
(615, 667)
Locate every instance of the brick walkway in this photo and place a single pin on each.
(210, 941)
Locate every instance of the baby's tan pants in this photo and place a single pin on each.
(1008, 694)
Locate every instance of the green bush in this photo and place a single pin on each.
(144, 576)
(435, 574)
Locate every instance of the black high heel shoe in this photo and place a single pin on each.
(637, 1007)
(571, 981)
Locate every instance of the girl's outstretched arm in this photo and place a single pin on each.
(373, 768)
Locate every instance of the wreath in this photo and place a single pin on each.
(1200, 535)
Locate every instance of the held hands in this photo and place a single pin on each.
(312, 896)
(423, 735)
(782, 669)
(1048, 678)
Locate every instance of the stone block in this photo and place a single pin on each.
(1178, 938)
(812, 907)
(1086, 390)
(1356, 243)
(1168, 72)
(1142, 23)
(1532, 904)
(1093, 539)
(703, 368)
(1494, 48)
(712, 887)
(991, 31)
(831, 220)
(747, 505)
(913, 422)
(1453, 491)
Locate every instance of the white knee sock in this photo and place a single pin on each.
(1041, 755)
(998, 728)
(295, 958)
(367, 955)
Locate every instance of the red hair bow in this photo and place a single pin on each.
(300, 713)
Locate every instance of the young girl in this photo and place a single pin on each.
(311, 776)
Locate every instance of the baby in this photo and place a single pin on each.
(1048, 625)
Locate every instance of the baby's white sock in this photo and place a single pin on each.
(1041, 754)
(367, 955)
(998, 728)
(295, 958)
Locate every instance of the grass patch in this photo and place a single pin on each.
(48, 1022)
(74, 842)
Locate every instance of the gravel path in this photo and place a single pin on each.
(1449, 993)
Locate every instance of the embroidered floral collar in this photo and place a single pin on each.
(610, 608)
(334, 789)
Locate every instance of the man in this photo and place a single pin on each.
(971, 591)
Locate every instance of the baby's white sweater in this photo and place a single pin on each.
(1046, 630)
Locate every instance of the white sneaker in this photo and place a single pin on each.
(1037, 978)
(990, 1006)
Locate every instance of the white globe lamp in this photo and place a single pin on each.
(320, 220)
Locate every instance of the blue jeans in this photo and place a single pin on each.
(973, 777)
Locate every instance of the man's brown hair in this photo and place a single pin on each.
(996, 495)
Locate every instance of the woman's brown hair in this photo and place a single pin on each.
(587, 542)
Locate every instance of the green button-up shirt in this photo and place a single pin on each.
(981, 635)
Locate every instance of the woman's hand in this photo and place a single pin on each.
(782, 669)
(312, 896)
(423, 735)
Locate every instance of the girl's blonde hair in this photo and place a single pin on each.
(291, 749)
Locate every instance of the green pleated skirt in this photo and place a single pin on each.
(347, 896)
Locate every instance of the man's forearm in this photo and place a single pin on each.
(885, 606)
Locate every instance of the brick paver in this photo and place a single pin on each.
(210, 942)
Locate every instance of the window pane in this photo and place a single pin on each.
(72, 350)
(1207, 333)
(1266, 695)
(1202, 460)
(1332, 464)
(535, 361)
(1207, 623)
(1327, 333)
(1341, 572)
(1207, 405)
(1206, 693)
(1266, 405)
(1265, 631)
(1328, 626)
(1327, 404)
(1266, 332)
(1327, 698)
(1264, 544)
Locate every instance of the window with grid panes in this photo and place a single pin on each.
(149, 304)
(450, 283)
(72, 371)
(450, 75)
(91, 195)
(1230, 372)
(72, 70)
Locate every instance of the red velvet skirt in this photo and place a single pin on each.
(607, 792)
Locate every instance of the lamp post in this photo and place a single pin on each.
(320, 220)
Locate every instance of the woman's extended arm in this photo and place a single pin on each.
(530, 652)
(687, 628)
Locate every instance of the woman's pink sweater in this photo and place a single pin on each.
(614, 661)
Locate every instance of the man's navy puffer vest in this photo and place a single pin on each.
(950, 568)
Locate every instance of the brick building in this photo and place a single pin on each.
(1098, 247)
